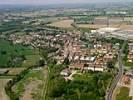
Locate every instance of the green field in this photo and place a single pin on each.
(82, 77)
(11, 25)
(129, 64)
(29, 77)
(31, 60)
(9, 53)
(83, 20)
(123, 94)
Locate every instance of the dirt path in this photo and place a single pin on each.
(3, 95)
(45, 83)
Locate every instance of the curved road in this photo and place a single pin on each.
(118, 76)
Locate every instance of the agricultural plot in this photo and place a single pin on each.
(31, 86)
(47, 20)
(15, 71)
(31, 60)
(62, 24)
(14, 55)
(3, 95)
(128, 27)
(116, 22)
(91, 26)
(95, 26)
(83, 20)
(11, 71)
(11, 25)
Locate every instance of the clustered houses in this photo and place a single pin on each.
(85, 58)
(94, 58)
(39, 39)
(80, 55)
(130, 54)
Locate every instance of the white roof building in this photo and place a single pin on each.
(107, 30)
(87, 59)
(116, 32)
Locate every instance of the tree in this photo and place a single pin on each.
(110, 64)
(3, 52)
(57, 87)
(41, 62)
(66, 61)
(23, 57)
(45, 55)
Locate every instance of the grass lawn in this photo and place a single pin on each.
(83, 77)
(123, 94)
(31, 60)
(129, 64)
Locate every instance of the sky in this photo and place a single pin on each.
(56, 1)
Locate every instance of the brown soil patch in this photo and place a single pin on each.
(3, 95)
(29, 89)
(62, 24)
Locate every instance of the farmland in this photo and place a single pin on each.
(30, 86)
(91, 26)
(101, 21)
(62, 24)
(3, 95)
(14, 55)
(96, 26)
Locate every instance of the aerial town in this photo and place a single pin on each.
(66, 51)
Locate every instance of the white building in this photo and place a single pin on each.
(91, 68)
(65, 72)
(116, 32)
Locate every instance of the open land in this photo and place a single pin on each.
(62, 24)
(12, 52)
(30, 87)
(92, 26)
(3, 95)
(123, 94)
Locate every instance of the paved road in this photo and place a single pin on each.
(118, 76)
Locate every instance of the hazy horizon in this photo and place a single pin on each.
(45, 2)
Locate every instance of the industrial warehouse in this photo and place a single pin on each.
(116, 32)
